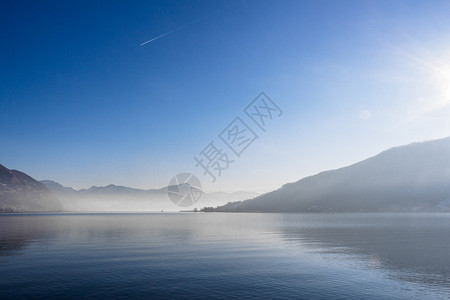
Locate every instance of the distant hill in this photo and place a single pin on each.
(56, 187)
(411, 178)
(121, 198)
(109, 198)
(21, 193)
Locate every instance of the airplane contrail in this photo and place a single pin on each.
(164, 34)
(186, 25)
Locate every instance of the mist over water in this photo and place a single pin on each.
(253, 256)
(227, 149)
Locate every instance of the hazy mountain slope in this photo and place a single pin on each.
(56, 187)
(120, 198)
(21, 193)
(214, 199)
(110, 198)
(415, 177)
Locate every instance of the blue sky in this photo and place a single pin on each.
(82, 103)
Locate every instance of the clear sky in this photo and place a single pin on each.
(82, 102)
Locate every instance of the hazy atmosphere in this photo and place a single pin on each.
(83, 103)
(225, 149)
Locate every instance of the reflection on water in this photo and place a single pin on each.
(411, 246)
(216, 255)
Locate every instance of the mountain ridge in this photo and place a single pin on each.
(408, 178)
(20, 192)
(121, 198)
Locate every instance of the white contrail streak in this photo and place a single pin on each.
(164, 34)
(188, 24)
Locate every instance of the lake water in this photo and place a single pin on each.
(215, 255)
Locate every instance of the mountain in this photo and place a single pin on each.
(109, 198)
(121, 198)
(220, 198)
(21, 193)
(411, 178)
(56, 187)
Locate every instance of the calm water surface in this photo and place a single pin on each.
(241, 256)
